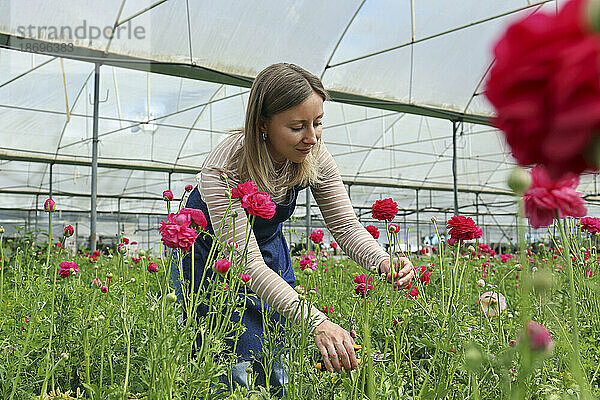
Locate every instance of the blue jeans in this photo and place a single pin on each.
(240, 376)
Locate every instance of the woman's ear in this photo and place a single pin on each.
(262, 125)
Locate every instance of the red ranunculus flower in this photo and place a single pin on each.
(545, 196)
(384, 210)
(124, 240)
(176, 233)
(197, 217)
(152, 267)
(393, 228)
(333, 245)
(68, 231)
(327, 310)
(545, 88)
(222, 266)
(373, 231)
(167, 195)
(243, 189)
(259, 204)
(590, 225)
(316, 236)
(189, 188)
(462, 228)
(104, 289)
(364, 287)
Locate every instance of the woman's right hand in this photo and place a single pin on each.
(336, 346)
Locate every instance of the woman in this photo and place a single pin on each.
(280, 149)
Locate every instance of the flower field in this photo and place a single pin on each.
(475, 324)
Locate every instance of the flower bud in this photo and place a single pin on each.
(249, 370)
(374, 269)
(312, 292)
(141, 252)
(434, 219)
(519, 180)
(223, 176)
(1, 229)
(167, 195)
(172, 297)
(49, 205)
(68, 231)
(470, 249)
(64, 356)
(299, 289)
(308, 271)
(301, 297)
(473, 358)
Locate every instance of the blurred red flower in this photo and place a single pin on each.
(545, 88)
(373, 231)
(590, 225)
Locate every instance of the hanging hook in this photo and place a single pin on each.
(99, 101)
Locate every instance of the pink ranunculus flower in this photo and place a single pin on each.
(104, 289)
(68, 268)
(317, 236)
(243, 189)
(539, 337)
(189, 188)
(197, 217)
(492, 303)
(259, 204)
(308, 261)
(545, 196)
(176, 233)
(364, 286)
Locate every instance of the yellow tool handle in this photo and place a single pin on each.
(320, 367)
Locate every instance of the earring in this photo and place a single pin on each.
(264, 136)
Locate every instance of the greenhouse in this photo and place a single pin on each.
(106, 105)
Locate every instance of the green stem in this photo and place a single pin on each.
(575, 358)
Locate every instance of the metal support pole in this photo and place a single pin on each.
(37, 198)
(50, 178)
(454, 130)
(418, 228)
(94, 158)
(149, 232)
(477, 207)
(170, 173)
(76, 234)
(119, 220)
(308, 219)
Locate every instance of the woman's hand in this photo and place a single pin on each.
(404, 272)
(335, 344)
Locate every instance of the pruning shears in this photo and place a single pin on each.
(377, 357)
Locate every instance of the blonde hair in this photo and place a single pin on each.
(276, 89)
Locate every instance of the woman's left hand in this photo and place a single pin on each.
(404, 272)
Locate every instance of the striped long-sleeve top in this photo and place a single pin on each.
(333, 201)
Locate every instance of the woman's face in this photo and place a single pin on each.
(293, 132)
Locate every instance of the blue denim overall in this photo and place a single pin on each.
(276, 254)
